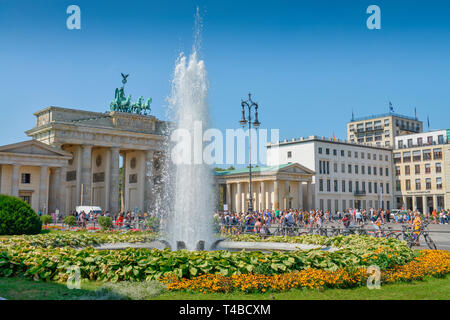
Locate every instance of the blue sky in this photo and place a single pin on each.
(307, 63)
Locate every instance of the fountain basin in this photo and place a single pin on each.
(223, 245)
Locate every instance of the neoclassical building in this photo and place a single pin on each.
(273, 187)
(34, 172)
(95, 143)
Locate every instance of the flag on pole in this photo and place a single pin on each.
(428, 121)
(334, 138)
(391, 108)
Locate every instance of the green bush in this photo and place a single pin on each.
(17, 217)
(70, 221)
(153, 223)
(105, 222)
(46, 219)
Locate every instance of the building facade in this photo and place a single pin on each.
(96, 142)
(346, 175)
(34, 172)
(421, 166)
(273, 187)
(381, 130)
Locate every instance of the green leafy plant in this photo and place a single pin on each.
(17, 217)
(70, 221)
(153, 223)
(46, 219)
(105, 222)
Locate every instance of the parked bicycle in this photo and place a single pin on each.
(412, 237)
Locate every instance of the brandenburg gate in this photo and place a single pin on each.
(96, 142)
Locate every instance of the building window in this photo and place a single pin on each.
(335, 186)
(427, 168)
(409, 143)
(26, 178)
(349, 168)
(375, 187)
(397, 157)
(368, 156)
(289, 154)
(437, 154)
(343, 168)
(356, 154)
(329, 185)
(417, 169)
(370, 187)
(27, 199)
(407, 156)
(356, 169)
(381, 171)
(320, 166)
(408, 184)
(363, 170)
(369, 170)
(362, 155)
(428, 183)
(419, 142)
(321, 185)
(426, 154)
(397, 170)
(418, 184)
(398, 186)
(350, 186)
(400, 144)
(335, 167)
(374, 171)
(334, 152)
(71, 175)
(438, 183)
(327, 151)
(438, 167)
(430, 140)
(349, 154)
(388, 188)
(407, 170)
(440, 139)
(320, 150)
(387, 172)
(342, 153)
(343, 185)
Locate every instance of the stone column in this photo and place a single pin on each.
(43, 190)
(404, 202)
(86, 174)
(55, 180)
(15, 180)
(434, 202)
(276, 199)
(148, 182)
(62, 192)
(263, 196)
(229, 197)
(239, 198)
(310, 194)
(79, 168)
(425, 205)
(414, 203)
(114, 181)
(107, 156)
(300, 195)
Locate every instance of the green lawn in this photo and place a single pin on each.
(24, 289)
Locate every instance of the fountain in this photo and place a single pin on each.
(189, 194)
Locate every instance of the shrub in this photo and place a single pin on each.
(153, 223)
(17, 217)
(105, 222)
(46, 219)
(70, 221)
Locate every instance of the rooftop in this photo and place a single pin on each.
(254, 170)
(383, 115)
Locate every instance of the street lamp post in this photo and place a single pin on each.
(249, 104)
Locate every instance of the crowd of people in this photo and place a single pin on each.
(120, 220)
(260, 222)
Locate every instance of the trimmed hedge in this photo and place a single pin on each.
(17, 217)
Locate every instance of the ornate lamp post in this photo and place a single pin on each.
(249, 104)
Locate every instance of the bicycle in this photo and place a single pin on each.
(408, 235)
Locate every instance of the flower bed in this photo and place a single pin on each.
(428, 263)
(50, 256)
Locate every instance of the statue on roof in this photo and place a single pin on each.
(122, 104)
